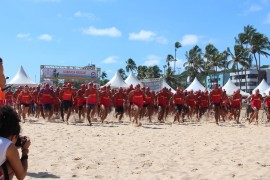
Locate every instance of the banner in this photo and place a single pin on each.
(69, 73)
(154, 84)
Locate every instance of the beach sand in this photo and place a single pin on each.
(154, 151)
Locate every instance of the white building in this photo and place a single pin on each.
(250, 79)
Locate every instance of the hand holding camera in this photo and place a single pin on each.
(23, 142)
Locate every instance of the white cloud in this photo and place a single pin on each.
(45, 37)
(110, 60)
(189, 39)
(267, 20)
(142, 36)
(152, 60)
(145, 35)
(254, 8)
(112, 32)
(26, 36)
(85, 15)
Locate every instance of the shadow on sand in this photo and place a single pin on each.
(42, 175)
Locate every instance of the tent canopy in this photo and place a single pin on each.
(195, 86)
(132, 79)
(165, 84)
(263, 86)
(21, 79)
(230, 88)
(117, 81)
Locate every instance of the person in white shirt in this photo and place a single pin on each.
(10, 140)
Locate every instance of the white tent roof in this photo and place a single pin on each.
(165, 84)
(195, 86)
(230, 88)
(263, 86)
(21, 78)
(117, 81)
(267, 91)
(132, 79)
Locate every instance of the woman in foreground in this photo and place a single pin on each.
(10, 141)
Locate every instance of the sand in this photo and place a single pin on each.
(154, 151)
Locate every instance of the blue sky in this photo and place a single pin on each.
(108, 32)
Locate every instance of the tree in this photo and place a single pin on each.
(170, 78)
(103, 75)
(153, 72)
(169, 59)
(122, 73)
(176, 46)
(142, 72)
(241, 57)
(131, 65)
(194, 64)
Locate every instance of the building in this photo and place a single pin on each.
(249, 79)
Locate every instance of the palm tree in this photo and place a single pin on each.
(224, 57)
(142, 71)
(212, 56)
(239, 57)
(194, 64)
(164, 67)
(103, 75)
(176, 46)
(169, 59)
(170, 78)
(153, 72)
(122, 73)
(131, 65)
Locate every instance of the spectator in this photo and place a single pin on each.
(10, 161)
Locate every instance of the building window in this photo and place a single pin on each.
(252, 76)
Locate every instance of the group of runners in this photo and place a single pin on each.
(135, 102)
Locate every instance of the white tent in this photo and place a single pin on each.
(117, 81)
(263, 86)
(195, 86)
(21, 78)
(165, 84)
(266, 92)
(230, 88)
(132, 79)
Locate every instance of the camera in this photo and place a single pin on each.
(21, 140)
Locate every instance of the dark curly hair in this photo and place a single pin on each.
(9, 122)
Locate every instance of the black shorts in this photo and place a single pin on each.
(66, 104)
(216, 104)
(25, 105)
(178, 107)
(47, 107)
(146, 105)
(119, 109)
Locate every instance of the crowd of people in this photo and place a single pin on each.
(135, 102)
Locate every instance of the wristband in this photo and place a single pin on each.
(24, 157)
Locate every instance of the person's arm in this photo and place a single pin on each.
(17, 165)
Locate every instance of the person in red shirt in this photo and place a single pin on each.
(216, 99)
(256, 102)
(236, 105)
(66, 96)
(119, 99)
(191, 103)
(80, 103)
(15, 98)
(149, 101)
(46, 100)
(136, 98)
(105, 103)
(162, 103)
(92, 99)
(225, 106)
(24, 99)
(178, 100)
(267, 106)
(9, 98)
(203, 104)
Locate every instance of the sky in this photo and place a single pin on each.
(109, 32)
